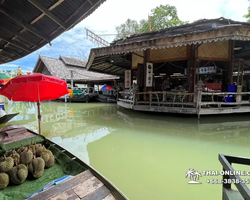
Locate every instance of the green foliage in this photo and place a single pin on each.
(161, 17)
(247, 16)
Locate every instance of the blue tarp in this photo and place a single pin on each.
(51, 184)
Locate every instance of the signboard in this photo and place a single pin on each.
(208, 70)
(149, 75)
(127, 78)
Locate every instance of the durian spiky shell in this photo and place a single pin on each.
(18, 174)
(4, 180)
(6, 164)
(36, 167)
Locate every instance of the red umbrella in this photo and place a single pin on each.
(34, 88)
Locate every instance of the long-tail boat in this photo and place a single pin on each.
(68, 178)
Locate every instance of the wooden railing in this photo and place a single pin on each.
(243, 191)
(223, 96)
(158, 98)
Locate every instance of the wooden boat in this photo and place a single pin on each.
(86, 182)
(4, 119)
(106, 98)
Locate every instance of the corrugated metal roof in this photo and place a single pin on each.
(201, 31)
(199, 26)
(27, 25)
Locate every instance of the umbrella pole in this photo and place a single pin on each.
(39, 113)
(39, 117)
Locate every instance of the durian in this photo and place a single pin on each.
(26, 157)
(16, 157)
(4, 180)
(48, 158)
(8, 153)
(21, 149)
(36, 167)
(6, 164)
(32, 148)
(40, 150)
(18, 174)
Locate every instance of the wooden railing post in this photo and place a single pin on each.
(199, 97)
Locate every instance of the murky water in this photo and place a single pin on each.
(145, 155)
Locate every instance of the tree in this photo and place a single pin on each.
(161, 17)
(128, 28)
(247, 16)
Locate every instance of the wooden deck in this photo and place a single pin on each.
(83, 186)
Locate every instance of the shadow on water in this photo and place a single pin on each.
(69, 120)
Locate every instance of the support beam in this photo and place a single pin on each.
(4, 53)
(138, 55)
(17, 34)
(17, 44)
(22, 23)
(100, 71)
(116, 70)
(48, 13)
(11, 51)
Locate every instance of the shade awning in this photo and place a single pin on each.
(110, 64)
(26, 26)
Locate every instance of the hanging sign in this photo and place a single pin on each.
(207, 70)
(127, 78)
(149, 75)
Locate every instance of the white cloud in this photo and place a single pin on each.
(114, 12)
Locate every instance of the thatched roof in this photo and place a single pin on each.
(28, 25)
(118, 55)
(60, 68)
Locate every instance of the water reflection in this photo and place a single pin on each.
(145, 154)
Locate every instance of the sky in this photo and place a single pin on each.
(112, 13)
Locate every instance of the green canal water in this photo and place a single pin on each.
(145, 155)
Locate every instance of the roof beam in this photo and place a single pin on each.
(50, 8)
(17, 44)
(100, 71)
(48, 13)
(17, 35)
(117, 69)
(22, 23)
(78, 13)
(10, 52)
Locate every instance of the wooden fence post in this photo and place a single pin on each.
(199, 97)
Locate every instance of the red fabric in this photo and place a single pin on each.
(214, 86)
(109, 87)
(26, 87)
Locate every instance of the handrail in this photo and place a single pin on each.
(224, 93)
(226, 162)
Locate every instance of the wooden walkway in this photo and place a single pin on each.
(83, 186)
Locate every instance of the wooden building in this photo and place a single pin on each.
(69, 69)
(199, 59)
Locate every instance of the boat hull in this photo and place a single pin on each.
(12, 134)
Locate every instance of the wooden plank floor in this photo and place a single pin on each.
(83, 186)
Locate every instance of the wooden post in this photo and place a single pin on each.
(199, 97)
(240, 80)
(145, 71)
(230, 66)
(65, 94)
(191, 71)
(71, 71)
